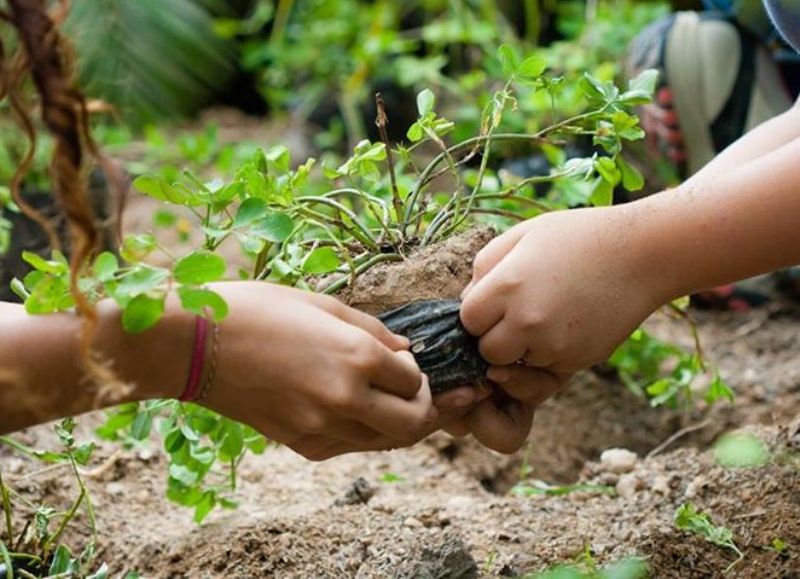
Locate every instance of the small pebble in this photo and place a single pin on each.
(660, 485)
(618, 460)
(413, 523)
(696, 487)
(15, 466)
(628, 485)
(116, 489)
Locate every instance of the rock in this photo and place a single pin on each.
(628, 485)
(449, 560)
(660, 485)
(15, 466)
(618, 460)
(696, 487)
(115, 489)
(359, 493)
(413, 523)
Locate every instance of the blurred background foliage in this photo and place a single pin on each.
(320, 61)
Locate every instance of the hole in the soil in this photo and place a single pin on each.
(450, 452)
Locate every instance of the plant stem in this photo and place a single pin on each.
(369, 239)
(372, 262)
(6, 510)
(381, 121)
(6, 558)
(425, 176)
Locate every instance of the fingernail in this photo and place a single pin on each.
(499, 375)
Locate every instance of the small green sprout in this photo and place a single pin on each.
(688, 518)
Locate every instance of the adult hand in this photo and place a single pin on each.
(318, 376)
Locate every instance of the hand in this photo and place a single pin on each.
(551, 296)
(317, 376)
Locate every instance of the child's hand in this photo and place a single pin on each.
(313, 374)
(551, 296)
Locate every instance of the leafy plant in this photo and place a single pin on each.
(688, 518)
(37, 550)
(149, 59)
(321, 228)
(632, 568)
(740, 450)
(541, 489)
(643, 360)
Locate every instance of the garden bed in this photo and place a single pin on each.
(442, 508)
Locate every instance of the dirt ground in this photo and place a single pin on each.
(449, 512)
(451, 515)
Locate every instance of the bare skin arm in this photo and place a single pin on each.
(301, 368)
(563, 290)
(41, 372)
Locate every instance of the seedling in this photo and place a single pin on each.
(688, 518)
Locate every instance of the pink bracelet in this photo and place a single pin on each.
(198, 360)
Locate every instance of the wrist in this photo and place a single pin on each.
(154, 363)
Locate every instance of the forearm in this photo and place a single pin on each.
(761, 141)
(710, 232)
(42, 376)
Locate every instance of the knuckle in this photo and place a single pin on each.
(311, 422)
(342, 399)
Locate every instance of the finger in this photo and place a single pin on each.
(530, 385)
(488, 257)
(540, 355)
(406, 421)
(366, 322)
(483, 307)
(454, 399)
(457, 428)
(503, 344)
(503, 427)
(395, 373)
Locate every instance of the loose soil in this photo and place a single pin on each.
(451, 513)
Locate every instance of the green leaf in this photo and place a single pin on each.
(197, 300)
(205, 506)
(142, 313)
(607, 169)
(646, 82)
(183, 474)
(49, 295)
(321, 260)
(61, 560)
(415, 133)
(136, 247)
(532, 67)
(275, 227)
(105, 266)
(509, 59)
(632, 179)
(251, 210)
(45, 266)
(18, 287)
(718, 390)
(142, 425)
(83, 453)
(425, 102)
(602, 194)
(139, 280)
(741, 451)
(199, 267)
(158, 188)
(164, 219)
